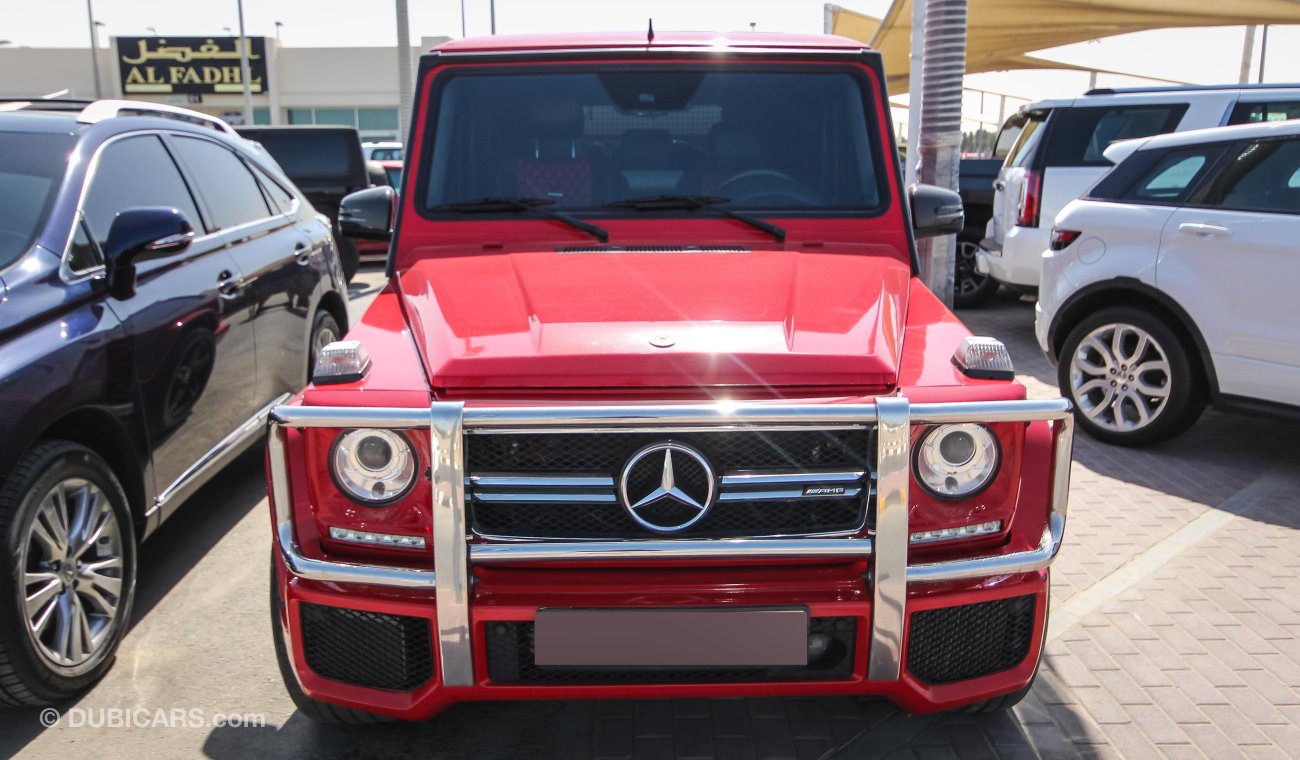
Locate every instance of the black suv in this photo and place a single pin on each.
(326, 163)
(162, 286)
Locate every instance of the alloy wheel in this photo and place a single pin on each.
(72, 563)
(968, 278)
(1120, 377)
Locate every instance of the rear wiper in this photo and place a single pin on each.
(695, 203)
(538, 205)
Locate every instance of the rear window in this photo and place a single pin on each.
(1028, 132)
(1079, 136)
(310, 155)
(31, 168)
(1254, 113)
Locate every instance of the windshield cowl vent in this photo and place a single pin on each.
(651, 249)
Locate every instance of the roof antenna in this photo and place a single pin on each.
(650, 33)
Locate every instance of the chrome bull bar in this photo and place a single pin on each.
(450, 577)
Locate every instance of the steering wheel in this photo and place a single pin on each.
(749, 186)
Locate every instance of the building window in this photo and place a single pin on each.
(261, 116)
(372, 123)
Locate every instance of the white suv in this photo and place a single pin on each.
(1173, 282)
(1059, 154)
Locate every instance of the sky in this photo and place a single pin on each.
(1202, 56)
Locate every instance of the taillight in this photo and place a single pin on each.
(1031, 195)
(1061, 239)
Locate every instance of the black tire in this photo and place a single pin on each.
(323, 325)
(27, 677)
(970, 289)
(349, 256)
(321, 712)
(1181, 386)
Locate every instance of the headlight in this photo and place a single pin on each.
(374, 467)
(957, 461)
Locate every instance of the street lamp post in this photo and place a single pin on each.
(244, 68)
(94, 50)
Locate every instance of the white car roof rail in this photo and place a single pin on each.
(101, 110)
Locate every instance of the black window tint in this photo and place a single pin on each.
(1253, 113)
(1081, 135)
(83, 254)
(135, 172)
(1174, 175)
(231, 192)
(281, 200)
(386, 154)
(1264, 176)
(31, 172)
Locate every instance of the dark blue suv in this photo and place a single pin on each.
(162, 286)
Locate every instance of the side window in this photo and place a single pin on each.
(232, 195)
(1253, 113)
(1026, 142)
(281, 199)
(1080, 135)
(131, 173)
(1174, 175)
(1264, 176)
(83, 254)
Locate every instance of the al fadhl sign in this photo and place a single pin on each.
(189, 65)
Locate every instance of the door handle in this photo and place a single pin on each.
(302, 254)
(229, 285)
(999, 185)
(1200, 229)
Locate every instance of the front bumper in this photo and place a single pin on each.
(883, 605)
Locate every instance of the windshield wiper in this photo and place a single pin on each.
(537, 205)
(695, 203)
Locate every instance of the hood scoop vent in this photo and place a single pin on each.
(652, 249)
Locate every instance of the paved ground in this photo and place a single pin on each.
(1174, 633)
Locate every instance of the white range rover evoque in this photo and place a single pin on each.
(1175, 282)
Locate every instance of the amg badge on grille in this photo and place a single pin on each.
(824, 491)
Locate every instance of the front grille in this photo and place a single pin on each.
(511, 661)
(566, 485)
(370, 649)
(726, 450)
(973, 640)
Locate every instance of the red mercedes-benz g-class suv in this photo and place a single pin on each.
(653, 403)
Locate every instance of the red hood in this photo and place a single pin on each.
(766, 318)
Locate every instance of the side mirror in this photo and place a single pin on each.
(139, 234)
(369, 214)
(936, 211)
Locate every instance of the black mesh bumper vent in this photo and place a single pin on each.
(367, 648)
(973, 640)
(511, 661)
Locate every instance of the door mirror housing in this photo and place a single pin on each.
(369, 214)
(936, 211)
(139, 234)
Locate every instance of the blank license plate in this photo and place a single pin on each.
(672, 637)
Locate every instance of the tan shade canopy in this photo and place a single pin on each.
(1001, 32)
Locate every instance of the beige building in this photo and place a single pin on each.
(293, 85)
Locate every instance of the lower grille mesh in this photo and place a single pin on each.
(510, 660)
(727, 519)
(370, 649)
(973, 640)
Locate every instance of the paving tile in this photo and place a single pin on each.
(613, 739)
(654, 748)
(730, 717)
(1236, 726)
(1156, 725)
(654, 718)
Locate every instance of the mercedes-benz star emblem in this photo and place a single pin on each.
(667, 487)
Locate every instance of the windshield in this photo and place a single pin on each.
(758, 138)
(31, 167)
